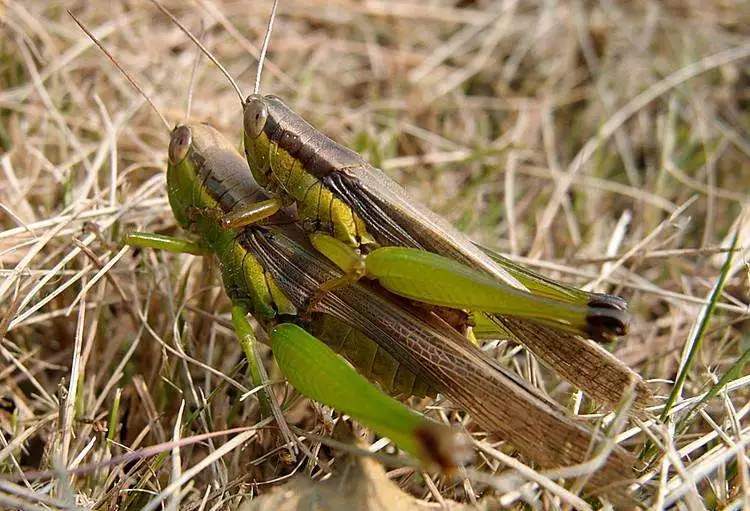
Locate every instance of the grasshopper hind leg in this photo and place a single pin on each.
(320, 374)
(354, 265)
(437, 280)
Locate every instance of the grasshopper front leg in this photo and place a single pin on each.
(251, 213)
(163, 242)
(242, 327)
(342, 255)
(240, 216)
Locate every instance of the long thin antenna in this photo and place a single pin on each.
(122, 70)
(264, 48)
(198, 55)
(203, 48)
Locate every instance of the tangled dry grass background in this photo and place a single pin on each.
(605, 143)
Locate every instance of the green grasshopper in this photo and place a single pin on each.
(352, 208)
(270, 270)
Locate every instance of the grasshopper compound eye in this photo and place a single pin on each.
(255, 115)
(179, 144)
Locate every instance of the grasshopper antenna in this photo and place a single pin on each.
(200, 45)
(264, 48)
(122, 70)
(198, 56)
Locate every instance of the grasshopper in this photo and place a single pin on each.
(270, 270)
(351, 209)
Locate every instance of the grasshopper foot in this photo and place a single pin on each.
(330, 285)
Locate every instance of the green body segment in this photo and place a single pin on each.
(278, 170)
(338, 385)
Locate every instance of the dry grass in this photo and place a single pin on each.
(606, 143)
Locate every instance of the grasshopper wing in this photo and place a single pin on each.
(496, 398)
(394, 218)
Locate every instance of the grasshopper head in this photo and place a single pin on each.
(179, 144)
(201, 164)
(257, 143)
(181, 172)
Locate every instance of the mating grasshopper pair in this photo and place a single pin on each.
(273, 271)
(367, 225)
(352, 207)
